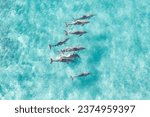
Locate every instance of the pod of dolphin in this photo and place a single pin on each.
(71, 57)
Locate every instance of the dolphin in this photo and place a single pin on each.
(81, 75)
(59, 43)
(80, 33)
(78, 22)
(87, 16)
(72, 49)
(62, 59)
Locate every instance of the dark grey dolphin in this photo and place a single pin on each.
(87, 16)
(80, 33)
(59, 43)
(62, 59)
(73, 49)
(81, 75)
(78, 22)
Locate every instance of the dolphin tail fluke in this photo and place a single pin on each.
(66, 33)
(51, 60)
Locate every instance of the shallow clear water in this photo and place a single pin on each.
(117, 49)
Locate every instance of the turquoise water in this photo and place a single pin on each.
(117, 49)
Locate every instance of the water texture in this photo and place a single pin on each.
(117, 49)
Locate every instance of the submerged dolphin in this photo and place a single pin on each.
(78, 22)
(87, 16)
(62, 59)
(72, 49)
(59, 43)
(80, 33)
(81, 75)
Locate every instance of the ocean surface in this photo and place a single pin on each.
(117, 50)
